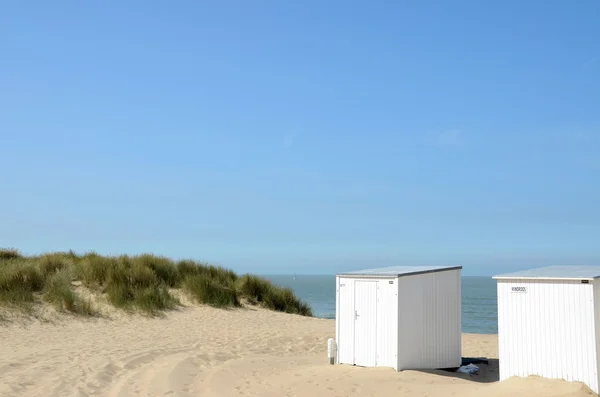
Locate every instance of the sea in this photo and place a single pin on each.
(479, 308)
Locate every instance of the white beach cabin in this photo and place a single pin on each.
(404, 317)
(549, 323)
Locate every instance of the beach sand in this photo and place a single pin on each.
(202, 351)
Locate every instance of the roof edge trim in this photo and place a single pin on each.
(383, 275)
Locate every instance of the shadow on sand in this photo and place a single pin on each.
(488, 373)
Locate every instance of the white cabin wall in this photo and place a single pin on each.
(445, 337)
(547, 329)
(410, 321)
(386, 320)
(429, 317)
(596, 287)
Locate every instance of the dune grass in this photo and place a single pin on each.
(9, 253)
(143, 282)
(205, 289)
(258, 290)
(19, 282)
(58, 292)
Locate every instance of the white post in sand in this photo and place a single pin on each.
(331, 351)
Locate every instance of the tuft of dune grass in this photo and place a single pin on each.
(9, 253)
(284, 300)
(52, 263)
(59, 293)
(164, 268)
(254, 289)
(93, 270)
(133, 283)
(217, 273)
(141, 282)
(205, 289)
(258, 290)
(19, 281)
(154, 299)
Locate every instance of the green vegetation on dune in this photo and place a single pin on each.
(58, 292)
(142, 282)
(207, 290)
(19, 281)
(9, 253)
(257, 290)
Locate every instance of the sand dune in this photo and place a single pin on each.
(200, 351)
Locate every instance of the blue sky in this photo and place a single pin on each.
(304, 137)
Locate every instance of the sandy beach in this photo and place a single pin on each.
(202, 351)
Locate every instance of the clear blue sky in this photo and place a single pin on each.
(304, 137)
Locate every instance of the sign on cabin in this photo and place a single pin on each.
(519, 289)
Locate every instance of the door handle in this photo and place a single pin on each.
(356, 315)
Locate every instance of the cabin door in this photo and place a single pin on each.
(365, 323)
